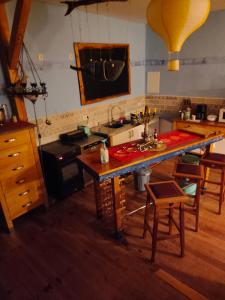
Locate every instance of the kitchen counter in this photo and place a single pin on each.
(202, 123)
(219, 147)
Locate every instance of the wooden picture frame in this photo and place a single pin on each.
(94, 89)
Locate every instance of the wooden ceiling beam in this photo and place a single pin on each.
(4, 27)
(11, 75)
(21, 15)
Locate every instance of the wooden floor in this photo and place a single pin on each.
(65, 254)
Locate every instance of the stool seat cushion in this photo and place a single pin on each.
(189, 169)
(215, 157)
(166, 190)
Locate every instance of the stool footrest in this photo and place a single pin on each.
(168, 237)
(212, 193)
(175, 223)
(191, 211)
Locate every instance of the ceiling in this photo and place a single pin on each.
(133, 9)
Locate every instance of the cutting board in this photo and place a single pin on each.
(200, 131)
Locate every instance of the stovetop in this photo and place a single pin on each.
(59, 148)
(89, 141)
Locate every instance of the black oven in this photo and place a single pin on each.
(61, 171)
(63, 175)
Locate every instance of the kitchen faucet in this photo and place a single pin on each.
(112, 109)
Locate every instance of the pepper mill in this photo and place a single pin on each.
(2, 116)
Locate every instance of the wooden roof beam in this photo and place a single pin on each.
(21, 15)
(4, 27)
(11, 75)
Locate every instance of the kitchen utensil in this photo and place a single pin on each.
(6, 111)
(201, 111)
(47, 121)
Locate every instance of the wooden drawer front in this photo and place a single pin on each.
(22, 199)
(14, 139)
(15, 155)
(20, 180)
(23, 164)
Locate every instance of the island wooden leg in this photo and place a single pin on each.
(98, 202)
(119, 204)
(209, 148)
(110, 203)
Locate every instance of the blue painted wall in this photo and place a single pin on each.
(52, 34)
(193, 80)
(3, 97)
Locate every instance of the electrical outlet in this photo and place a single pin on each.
(85, 117)
(40, 56)
(71, 56)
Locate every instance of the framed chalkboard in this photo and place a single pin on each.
(103, 71)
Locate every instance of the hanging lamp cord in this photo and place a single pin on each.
(31, 65)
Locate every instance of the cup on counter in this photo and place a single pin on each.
(193, 117)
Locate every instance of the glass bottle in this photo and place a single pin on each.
(155, 135)
(104, 153)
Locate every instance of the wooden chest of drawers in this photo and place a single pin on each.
(21, 182)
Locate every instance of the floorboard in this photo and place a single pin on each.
(65, 253)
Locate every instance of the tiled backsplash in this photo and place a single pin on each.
(101, 113)
(97, 114)
(173, 104)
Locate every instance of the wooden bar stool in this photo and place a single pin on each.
(215, 161)
(165, 195)
(192, 174)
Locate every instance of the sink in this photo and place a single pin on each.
(114, 125)
(117, 124)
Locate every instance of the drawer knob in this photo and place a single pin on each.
(14, 154)
(10, 140)
(24, 193)
(20, 181)
(18, 168)
(27, 204)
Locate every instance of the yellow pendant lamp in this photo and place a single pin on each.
(175, 21)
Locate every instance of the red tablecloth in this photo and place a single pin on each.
(127, 152)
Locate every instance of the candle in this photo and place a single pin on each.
(149, 109)
(155, 110)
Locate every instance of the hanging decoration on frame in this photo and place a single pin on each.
(29, 86)
(76, 3)
(103, 70)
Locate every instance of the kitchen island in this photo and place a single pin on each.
(109, 182)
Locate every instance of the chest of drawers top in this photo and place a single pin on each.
(14, 134)
(13, 127)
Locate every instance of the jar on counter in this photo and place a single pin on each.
(186, 109)
(187, 114)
